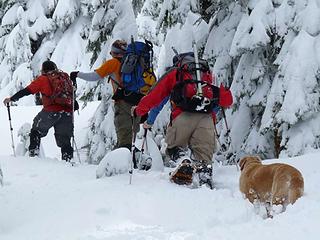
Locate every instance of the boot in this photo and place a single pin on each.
(33, 152)
(67, 153)
(143, 160)
(204, 174)
(177, 155)
(34, 143)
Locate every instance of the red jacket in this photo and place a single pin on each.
(164, 88)
(41, 85)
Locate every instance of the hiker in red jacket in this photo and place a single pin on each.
(191, 124)
(56, 89)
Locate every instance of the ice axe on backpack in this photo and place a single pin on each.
(199, 95)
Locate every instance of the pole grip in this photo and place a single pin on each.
(8, 108)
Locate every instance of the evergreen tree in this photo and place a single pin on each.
(101, 137)
(267, 115)
(15, 66)
(264, 50)
(292, 107)
(174, 12)
(112, 20)
(137, 6)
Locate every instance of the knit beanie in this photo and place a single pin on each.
(48, 66)
(119, 47)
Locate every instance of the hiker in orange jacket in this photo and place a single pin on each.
(111, 68)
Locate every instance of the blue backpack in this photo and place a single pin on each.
(136, 67)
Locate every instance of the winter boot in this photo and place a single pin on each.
(183, 174)
(204, 174)
(177, 155)
(67, 153)
(34, 143)
(143, 160)
(33, 152)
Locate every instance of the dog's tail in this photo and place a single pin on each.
(296, 189)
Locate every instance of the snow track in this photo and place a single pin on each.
(47, 199)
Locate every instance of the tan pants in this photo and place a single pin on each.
(123, 123)
(196, 131)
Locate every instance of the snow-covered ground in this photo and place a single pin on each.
(45, 199)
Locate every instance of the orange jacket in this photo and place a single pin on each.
(111, 67)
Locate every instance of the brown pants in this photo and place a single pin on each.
(123, 123)
(196, 131)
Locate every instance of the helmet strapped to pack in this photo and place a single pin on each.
(194, 90)
(137, 71)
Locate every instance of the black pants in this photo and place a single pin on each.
(63, 131)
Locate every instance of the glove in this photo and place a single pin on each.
(76, 105)
(73, 77)
(146, 125)
(6, 101)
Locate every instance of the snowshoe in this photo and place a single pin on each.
(204, 175)
(183, 174)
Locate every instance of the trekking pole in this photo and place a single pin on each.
(74, 144)
(225, 120)
(144, 142)
(11, 130)
(228, 134)
(133, 162)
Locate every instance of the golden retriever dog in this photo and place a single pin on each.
(273, 184)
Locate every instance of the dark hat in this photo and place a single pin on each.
(48, 66)
(119, 47)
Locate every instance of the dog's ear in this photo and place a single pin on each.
(242, 162)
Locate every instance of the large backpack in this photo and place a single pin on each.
(137, 70)
(62, 88)
(186, 94)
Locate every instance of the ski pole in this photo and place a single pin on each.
(11, 130)
(133, 163)
(144, 142)
(228, 134)
(74, 144)
(225, 119)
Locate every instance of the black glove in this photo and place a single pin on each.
(73, 77)
(76, 105)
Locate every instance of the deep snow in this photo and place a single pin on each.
(47, 199)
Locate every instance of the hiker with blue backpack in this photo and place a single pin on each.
(131, 74)
(188, 85)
